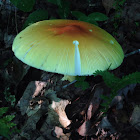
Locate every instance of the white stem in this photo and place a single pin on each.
(77, 59)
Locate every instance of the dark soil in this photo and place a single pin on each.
(75, 114)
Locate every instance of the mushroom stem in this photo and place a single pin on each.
(69, 78)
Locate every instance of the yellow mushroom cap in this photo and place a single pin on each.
(68, 47)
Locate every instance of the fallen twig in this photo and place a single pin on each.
(131, 53)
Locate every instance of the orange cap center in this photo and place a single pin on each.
(69, 29)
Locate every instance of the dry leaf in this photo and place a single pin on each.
(59, 107)
(59, 134)
(82, 129)
(39, 86)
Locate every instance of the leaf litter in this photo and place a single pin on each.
(46, 111)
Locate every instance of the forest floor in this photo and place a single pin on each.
(44, 110)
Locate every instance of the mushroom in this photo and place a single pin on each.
(68, 47)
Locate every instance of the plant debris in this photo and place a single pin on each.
(42, 108)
